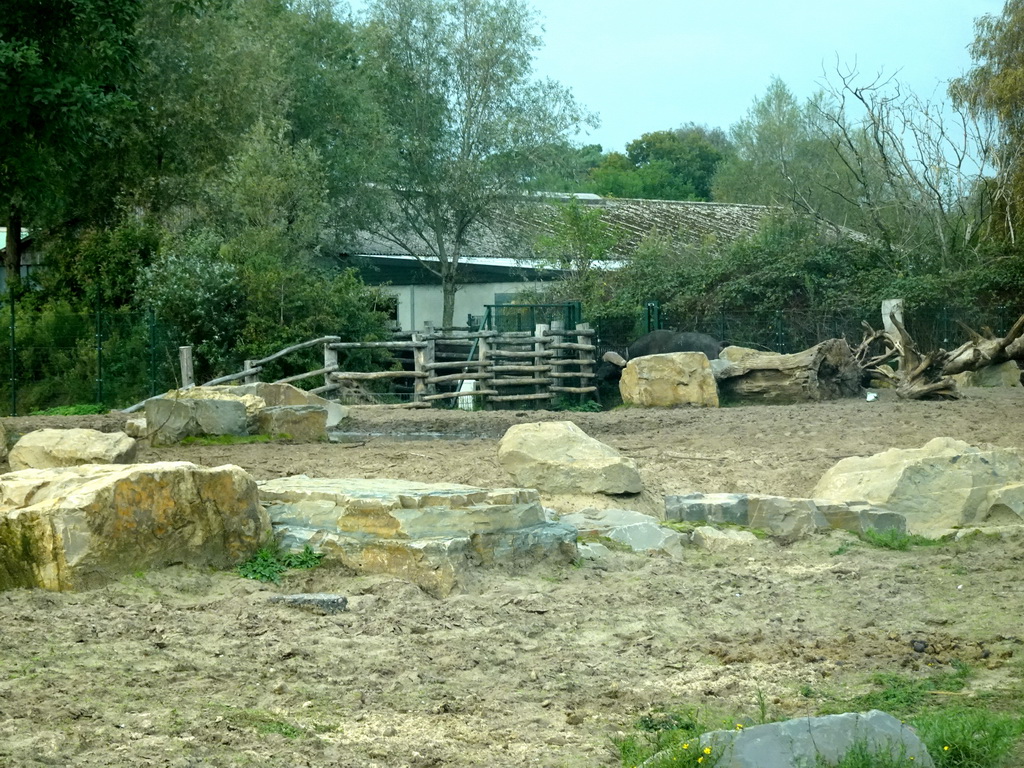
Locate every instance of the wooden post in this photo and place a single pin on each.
(419, 365)
(330, 361)
(251, 378)
(185, 360)
(539, 347)
(484, 355)
(429, 358)
(586, 360)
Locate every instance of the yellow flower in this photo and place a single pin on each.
(739, 726)
(700, 760)
(687, 746)
(707, 750)
(945, 749)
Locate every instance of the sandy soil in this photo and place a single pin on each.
(193, 668)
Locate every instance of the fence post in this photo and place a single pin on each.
(330, 361)
(539, 345)
(151, 317)
(99, 358)
(14, 355)
(419, 365)
(253, 377)
(483, 351)
(586, 362)
(185, 360)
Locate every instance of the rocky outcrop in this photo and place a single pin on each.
(715, 540)
(781, 516)
(302, 423)
(430, 534)
(275, 395)
(170, 420)
(80, 527)
(639, 532)
(3, 442)
(944, 485)
(679, 378)
(49, 448)
(559, 457)
(817, 741)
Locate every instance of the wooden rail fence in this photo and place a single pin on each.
(491, 367)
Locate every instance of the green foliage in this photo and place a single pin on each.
(663, 165)
(269, 563)
(961, 737)
(674, 736)
(891, 538)
(467, 123)
(72, 410)
(903, 696)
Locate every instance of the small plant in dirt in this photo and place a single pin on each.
(84, 409)
(270, 563)
(668, 740)
(897, 540)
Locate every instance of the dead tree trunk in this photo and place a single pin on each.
(929, 377)
(826, 371)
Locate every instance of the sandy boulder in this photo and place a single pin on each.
(944, 485)
(428, 533)
(680, 378)
(48, 448)
(80, 527)
(1003, 375)
(559, 457)
(303, 423)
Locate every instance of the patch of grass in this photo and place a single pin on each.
(83, 409)
(269, 563)
(842, 549)
(261, 722)
(861, 755)
(903, 696)
(958, 737)
(233, 439)
(897, 540)
(672, 736)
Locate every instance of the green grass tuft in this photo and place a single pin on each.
(897, 540)
(233, 439)
(84, 409)
(269, 563)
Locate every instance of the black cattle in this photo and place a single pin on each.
(657, 343)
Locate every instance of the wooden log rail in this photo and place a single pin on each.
(504, 367)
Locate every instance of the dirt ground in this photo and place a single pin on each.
(186, 667)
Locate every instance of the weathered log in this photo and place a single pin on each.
(826, 371)
(983, 351)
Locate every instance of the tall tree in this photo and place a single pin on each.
(64, 66)
(994, 88)
(469, 126)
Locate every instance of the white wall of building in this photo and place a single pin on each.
(419, 304)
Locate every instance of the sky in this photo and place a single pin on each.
(648, 65)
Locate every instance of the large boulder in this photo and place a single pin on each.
(559, 457)
(170, 419)
(944, 485)
(679, 378)
(48, 448)
(430, 534)
(80, 527)
(285, 394)
(302, 423)
(3, 442)
(810, 741)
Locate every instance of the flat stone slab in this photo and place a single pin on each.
(317, 602)
(780, 515)
(426, 532)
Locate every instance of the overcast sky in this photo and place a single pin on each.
(647, 65)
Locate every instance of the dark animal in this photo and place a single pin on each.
(656, 343)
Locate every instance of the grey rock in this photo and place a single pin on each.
(318, 602)
(721, 508)
(639, 532)
(170, 420)
(800, 742)
(714, 540)
(303, 423)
